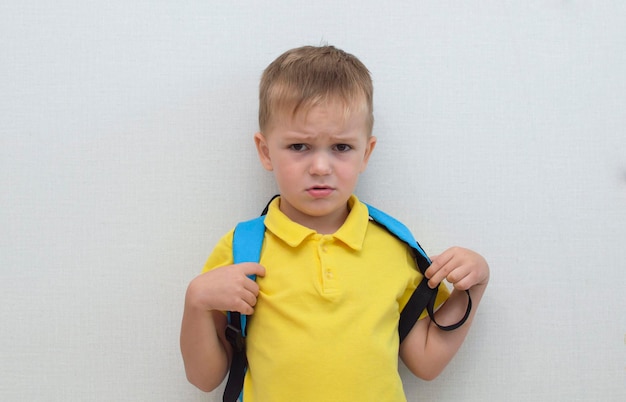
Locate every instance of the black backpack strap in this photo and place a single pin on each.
(414, 307)
(424, 298)
(239, 361)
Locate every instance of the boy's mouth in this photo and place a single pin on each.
(320, 187)
(319, 191)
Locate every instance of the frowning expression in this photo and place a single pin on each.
(316, 158)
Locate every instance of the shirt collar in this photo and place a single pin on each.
(351, 233)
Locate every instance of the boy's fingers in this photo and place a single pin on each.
(438, 263)
(252, 268)
(249, 298)
(251, 287)
(435, 276)
(458, 275)
(441, 267)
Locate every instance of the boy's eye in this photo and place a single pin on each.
(298, 147)
(343, 147)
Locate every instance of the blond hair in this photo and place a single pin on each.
(308, 76)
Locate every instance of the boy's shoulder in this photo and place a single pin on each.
(395, 227)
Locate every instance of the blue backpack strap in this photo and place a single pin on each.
(248, 240)
(247, 245)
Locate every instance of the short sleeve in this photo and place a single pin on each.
(222, 254)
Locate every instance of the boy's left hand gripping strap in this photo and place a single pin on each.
(423, 297)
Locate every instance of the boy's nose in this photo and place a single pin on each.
(320, 164)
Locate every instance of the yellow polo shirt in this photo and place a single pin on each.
(325, 326)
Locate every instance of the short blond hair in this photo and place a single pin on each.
(307, 76)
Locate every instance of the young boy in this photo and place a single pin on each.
(330, 283)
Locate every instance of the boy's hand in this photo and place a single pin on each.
(226, 288)
(461, 267)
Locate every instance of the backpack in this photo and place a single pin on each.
(247, 243)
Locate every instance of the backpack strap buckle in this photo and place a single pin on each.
(235, 338)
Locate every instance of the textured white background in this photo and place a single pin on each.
(126, 152)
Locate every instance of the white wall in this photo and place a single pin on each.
(126, 152)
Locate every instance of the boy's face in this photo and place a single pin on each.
(316, 158)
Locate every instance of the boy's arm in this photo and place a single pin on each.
(206, 352)
(427, 349)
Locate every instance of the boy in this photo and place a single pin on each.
(330, 283)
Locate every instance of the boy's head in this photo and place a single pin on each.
(308, 76)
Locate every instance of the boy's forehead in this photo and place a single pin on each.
(289, 113)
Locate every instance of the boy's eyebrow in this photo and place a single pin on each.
(291, 135)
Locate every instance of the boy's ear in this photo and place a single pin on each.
(263, 150)
(371, 144)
